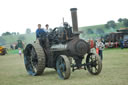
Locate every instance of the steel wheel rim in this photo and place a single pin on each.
(94, 64)
(61, 67)
(30, 61)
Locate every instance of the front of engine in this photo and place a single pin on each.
(67, 41)
(77, 46)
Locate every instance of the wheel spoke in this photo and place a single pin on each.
(96, 69)
(59, 72)
(61, 60)
(34, 59)
(63, 67)
(33, 54)
(91, 58)
(91, 68)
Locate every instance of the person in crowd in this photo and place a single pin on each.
(100, 46)
(11, 46)
(121, 43)
(20, 51)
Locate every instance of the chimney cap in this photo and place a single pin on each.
(73, 9)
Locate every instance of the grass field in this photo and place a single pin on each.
(114, 72)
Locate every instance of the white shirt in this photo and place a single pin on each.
(20, 51)
(48, 30)
(100, 45)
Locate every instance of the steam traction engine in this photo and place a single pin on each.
(57, 48)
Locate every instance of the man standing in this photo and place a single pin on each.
(121, 43)
(100, 46)
(40, 31)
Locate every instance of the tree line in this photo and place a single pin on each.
(109, 25)
(20, 37)
(28, 31)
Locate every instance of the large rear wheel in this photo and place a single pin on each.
(34, 59)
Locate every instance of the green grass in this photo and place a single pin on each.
(15, 51)
(12, 51)
(114, 72)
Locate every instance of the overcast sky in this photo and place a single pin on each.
(17, 15)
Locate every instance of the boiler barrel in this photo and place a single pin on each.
(78, 47)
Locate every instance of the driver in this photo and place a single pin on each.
(40, 31)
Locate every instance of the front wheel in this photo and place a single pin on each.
(94, 64)
(63, 67)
